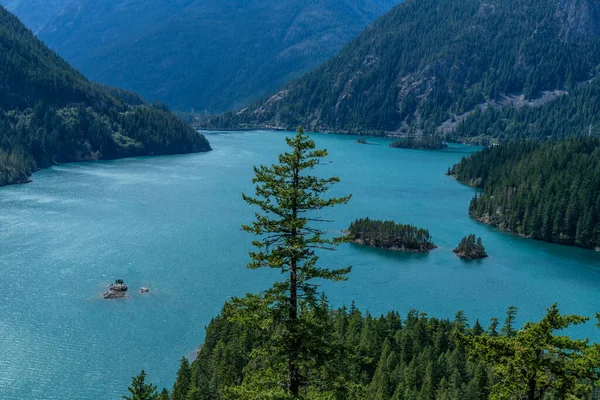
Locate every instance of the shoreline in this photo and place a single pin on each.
(485, 221)
(29, 180)
(394, 248)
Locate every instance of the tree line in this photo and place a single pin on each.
(390, 235)
(50, 113)
(548, 191)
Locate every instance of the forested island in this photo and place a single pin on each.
(470, 248)
(423, 142)
(50, 113)
(390, 235)
(548, 191)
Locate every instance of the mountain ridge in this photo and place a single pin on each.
(204, 55)
(50, 113)
(425, 62)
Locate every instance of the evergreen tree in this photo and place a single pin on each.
(508, 329)
(164, 395)
(140, 390)
(544, 190)
(535, 363)
(287, 240)
(477, 329)
(390, 235)
(183, 382)
(493, 328)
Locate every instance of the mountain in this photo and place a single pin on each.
(50, 113)
(35, 13)
(205, 54)
(427, 65)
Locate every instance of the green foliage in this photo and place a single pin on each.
(535, 363)
(49, 113)
(140, 390)
(390, 235)
(575, 114)
(508, 329)
(547, 191)
(426, 62)
(288, 237)
(470, 247)
(390, 358)
(371, 358)
(164, 395)
(183, 382)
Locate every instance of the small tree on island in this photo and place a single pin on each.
(288, 197)
(471, 248)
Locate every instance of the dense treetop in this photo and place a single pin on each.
(427, 61)
(390, 235)
(204, 54)
(50, 113)
(548, 191)
(394, 358)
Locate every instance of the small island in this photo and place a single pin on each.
(470, 248)
(390, 236)
(117, 290)
(423, 142)
(362, 141)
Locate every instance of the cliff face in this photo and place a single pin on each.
(579, 19)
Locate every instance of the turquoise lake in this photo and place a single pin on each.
(173, 224)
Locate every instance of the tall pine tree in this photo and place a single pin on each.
(288, 234)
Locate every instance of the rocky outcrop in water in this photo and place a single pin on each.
(117, 290)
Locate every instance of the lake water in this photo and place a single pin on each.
(173, 224)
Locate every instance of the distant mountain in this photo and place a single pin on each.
(50, 113)
(205, 54)
(35, 13)
(428, 65)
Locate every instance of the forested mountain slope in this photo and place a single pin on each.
(50, 113)
(427, 63)
(547, 191)
(205, 54)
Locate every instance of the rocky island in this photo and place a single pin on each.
(390, 236)
(117, 290)
(471, 248)
(362, 141)
(423, 142)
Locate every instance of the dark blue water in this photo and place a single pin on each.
(173, 224)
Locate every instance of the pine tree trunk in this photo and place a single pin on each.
(293, 316)
(294, 376)
(531, 389)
